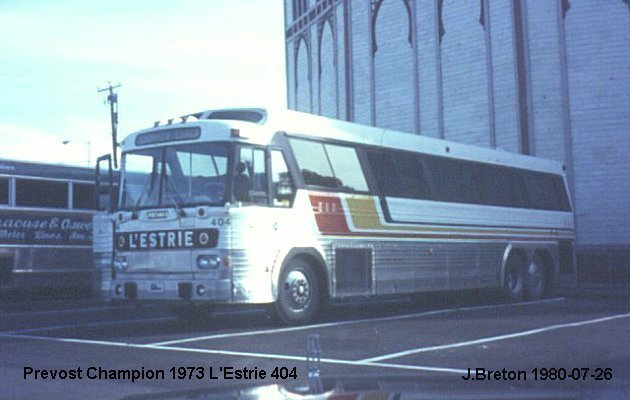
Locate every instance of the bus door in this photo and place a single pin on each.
(104, 184)
(263, 226)
(281, 195)
(103, 226)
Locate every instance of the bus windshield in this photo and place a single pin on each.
(181, 175)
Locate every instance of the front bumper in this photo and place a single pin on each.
(173, 289)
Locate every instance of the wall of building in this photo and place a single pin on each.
(598, 59)
(547, 78)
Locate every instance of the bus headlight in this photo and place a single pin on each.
(211, 261)
(120, 263)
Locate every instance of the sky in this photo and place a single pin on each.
(170, 57)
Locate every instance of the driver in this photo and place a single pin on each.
(241, 182)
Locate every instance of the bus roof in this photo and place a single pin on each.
(45, 170)
(258, 126)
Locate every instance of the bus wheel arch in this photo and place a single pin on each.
(514, 273)
(302, 287)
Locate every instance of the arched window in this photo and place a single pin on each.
(394, 65)
(464, 73)
(303, 77)
(327, 72)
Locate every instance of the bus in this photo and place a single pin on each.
(296, 211)
(45, 226)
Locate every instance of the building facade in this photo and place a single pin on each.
(545, 78)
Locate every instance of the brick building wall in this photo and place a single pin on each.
(547, 78)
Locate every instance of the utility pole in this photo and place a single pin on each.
(112, 99)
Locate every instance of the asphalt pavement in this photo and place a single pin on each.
(572, 342)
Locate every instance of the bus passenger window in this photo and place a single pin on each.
(329, 166)
(313, 162)
(83, 196)
(282, 185)
(542, 191)
(4, 191)
(345, 164)
(41, 193)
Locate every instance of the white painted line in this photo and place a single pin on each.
(89, 325)
(348, 322)
(238, 354)
(303, 359)
(493, 338)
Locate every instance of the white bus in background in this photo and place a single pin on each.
(46, 227)
(285, 208)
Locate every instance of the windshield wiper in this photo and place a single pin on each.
(174, 197)
(148, 188)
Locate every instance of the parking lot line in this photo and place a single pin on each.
(284, 357)
(348, 322)
(493, 338)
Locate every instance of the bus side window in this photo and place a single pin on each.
(83, 196)
(4, 191)
(281, 183)
(41, 193)
(399, 174)
(543, 192)
(561, 191)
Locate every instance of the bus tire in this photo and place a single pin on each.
(514, 281)
(536, 278)
(299, 295)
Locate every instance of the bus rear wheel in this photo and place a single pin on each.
(536, 282)
(514, 282)
(299, 296)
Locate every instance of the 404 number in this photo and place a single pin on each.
(219, 221)
(284, 373)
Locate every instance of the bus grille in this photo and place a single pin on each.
(131, 290)
(185, 290)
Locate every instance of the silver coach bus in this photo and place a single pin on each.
(45, 226)
(285, 208)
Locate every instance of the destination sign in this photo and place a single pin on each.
(167, 240)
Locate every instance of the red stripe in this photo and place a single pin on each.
(329, 215)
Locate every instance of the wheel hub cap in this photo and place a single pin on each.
(297, 285)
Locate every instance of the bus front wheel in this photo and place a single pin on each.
(298, 293)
